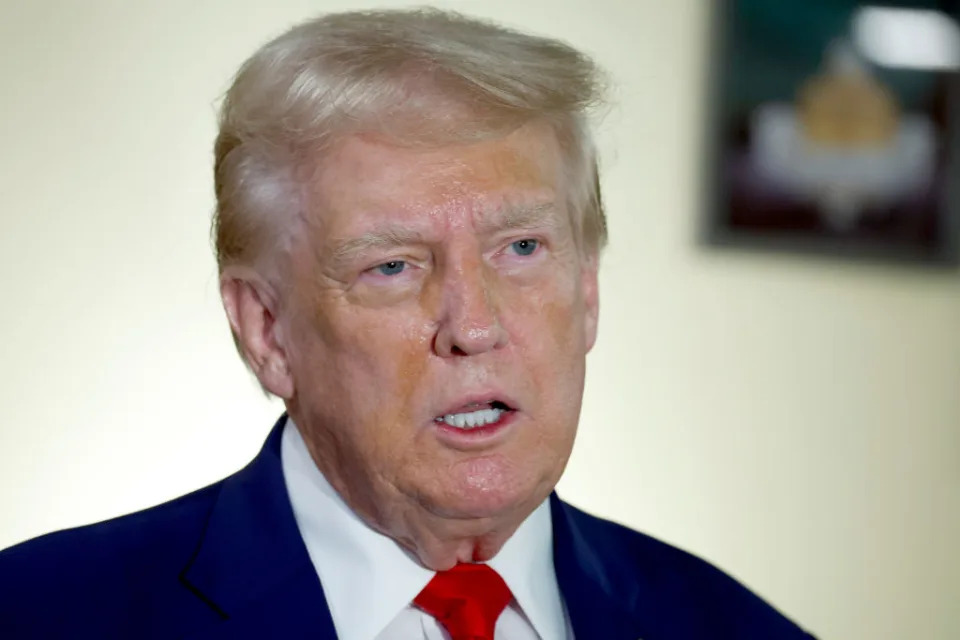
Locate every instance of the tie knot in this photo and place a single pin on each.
(466, 600)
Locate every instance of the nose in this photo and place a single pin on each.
(470, 319)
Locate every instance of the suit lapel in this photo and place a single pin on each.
(599, 606)
(251, 566)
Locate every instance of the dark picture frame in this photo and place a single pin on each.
(822, 141)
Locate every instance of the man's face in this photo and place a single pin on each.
(432, 290)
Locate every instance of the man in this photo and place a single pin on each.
(408, 230)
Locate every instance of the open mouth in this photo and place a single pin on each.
(475, 415)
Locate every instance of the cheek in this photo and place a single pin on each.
(562, 361)
(409, 352)
(369, 364)
(548, 319)
(548, 336)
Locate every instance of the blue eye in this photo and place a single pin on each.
(525, 247)
(392, 268)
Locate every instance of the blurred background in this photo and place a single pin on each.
(795, 420)
(834, 128)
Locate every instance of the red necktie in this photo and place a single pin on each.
(466, 600)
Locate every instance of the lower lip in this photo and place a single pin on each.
(477, 437)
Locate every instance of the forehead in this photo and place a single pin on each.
(365, 179)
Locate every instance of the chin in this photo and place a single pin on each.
(479, 506)
(489, 493)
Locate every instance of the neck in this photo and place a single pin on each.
(437, 542)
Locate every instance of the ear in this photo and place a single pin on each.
(591, 299)
(251, 306)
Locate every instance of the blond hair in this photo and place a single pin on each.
(421, 76)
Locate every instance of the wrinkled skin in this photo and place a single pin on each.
(426, 278)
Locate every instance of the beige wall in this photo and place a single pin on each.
(795, 421)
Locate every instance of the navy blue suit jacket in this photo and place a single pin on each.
(228, 561)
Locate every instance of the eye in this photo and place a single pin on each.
(391, 268)
(525, 247)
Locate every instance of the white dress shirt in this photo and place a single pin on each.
(370, 581)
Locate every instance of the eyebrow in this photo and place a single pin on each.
(384, 237)
(521, 217)
(390, 236)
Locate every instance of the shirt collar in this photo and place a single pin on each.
(368, 578)
(525, 562)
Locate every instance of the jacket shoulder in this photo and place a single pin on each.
(105, 575)
(677, 584)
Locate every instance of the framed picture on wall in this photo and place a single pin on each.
(835, 128)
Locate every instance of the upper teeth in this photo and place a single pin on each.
(473, 418)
